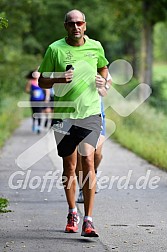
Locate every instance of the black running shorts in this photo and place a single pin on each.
(69, 133)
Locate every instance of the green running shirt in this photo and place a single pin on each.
(78, 99)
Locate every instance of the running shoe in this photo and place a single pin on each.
(88, 229)
(80, 197)
(72, 223)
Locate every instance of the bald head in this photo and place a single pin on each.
(72, 13)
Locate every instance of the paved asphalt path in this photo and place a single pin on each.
(130, 211)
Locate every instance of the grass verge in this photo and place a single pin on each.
(144, 132)
(11, 116)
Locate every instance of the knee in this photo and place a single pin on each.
(69, 169)
(88, 163)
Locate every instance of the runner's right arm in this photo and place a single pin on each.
(49, 82)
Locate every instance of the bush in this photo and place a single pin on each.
(158, 98)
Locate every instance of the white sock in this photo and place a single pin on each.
(86, 218)
(73, 210)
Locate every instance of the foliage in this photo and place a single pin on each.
(160, 45)
(3, 205)
(144, 132)
(159, 91)
(24, 43)
(10, 116)
(14, 61)
(3, 21)
(158, 98)
(156, 11)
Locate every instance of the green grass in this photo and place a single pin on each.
(159, 70)
(10, 115)
(144, 132)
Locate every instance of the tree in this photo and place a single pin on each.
(135, 22)
(152, 12)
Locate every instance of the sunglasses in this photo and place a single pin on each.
(78, 23)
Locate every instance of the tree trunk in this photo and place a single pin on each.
(146, 49)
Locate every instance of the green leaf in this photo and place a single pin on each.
(3, 23)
